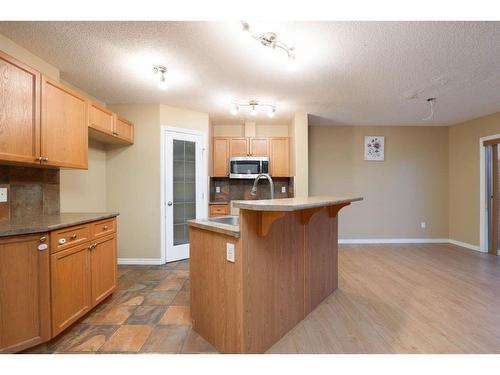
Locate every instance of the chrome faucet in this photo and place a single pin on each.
(271, 184)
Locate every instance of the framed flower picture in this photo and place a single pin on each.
(374, 147)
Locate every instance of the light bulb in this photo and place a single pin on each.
(253, 112)
(245, 33)
(234, 110)
(270, 114)
(162, 85)
(291, 63)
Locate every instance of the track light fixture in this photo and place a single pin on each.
(253, 105)
(270, 39)
(161, 70)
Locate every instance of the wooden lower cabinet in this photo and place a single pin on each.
(24, 292)
(218, 210)
(83, 276)
(70, 282)
(103, 268)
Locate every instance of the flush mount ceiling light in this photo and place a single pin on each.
(161, 70)
(270, 39)
(253, 105)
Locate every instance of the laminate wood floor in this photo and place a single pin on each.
(429, 298)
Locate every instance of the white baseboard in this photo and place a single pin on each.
(409, 241)
(465, 244)
(140, 261)
(392, 240)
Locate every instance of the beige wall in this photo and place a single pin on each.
(464, 176)
(409, 187)
(299, 154)
(133, 176)
(85, 191)
(261, 130)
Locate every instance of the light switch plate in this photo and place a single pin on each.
(283, 189)
(3, 195)
(423, 225)
(217, 189)
(230, 252)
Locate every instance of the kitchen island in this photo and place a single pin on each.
(252, 281)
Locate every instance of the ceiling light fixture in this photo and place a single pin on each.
(161, 70)
(253, 104)
(431, 102)
(270, 39)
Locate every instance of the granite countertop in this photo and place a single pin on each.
(230, 230)
(293, 204)
(47, 223)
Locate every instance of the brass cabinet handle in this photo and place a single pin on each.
(73, 236)
(43, 238)
(92, 246)
(38, 158)
(105, 227)
(45, 158)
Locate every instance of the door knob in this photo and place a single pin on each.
(169, 203)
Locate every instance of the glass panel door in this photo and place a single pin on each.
(184, 187)
(184, 190)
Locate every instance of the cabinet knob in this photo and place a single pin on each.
(38, 158)
(43, 239)
(105, 227)
(73, 236)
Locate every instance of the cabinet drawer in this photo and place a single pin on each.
(219, 209)
(69, 237)
(103, 227)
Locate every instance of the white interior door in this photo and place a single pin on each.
(184, 192)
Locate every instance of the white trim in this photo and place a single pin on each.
(140, 261)
(410, 241)
(204, 176)
(467, 245)
(483, 210)
(392, 240)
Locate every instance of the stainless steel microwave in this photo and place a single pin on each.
(248, 166)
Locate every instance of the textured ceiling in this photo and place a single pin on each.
(352, 73)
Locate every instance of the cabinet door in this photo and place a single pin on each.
(64, 134)
(238, 147)
(220, 157)
(70, 284)
(279, 157)
(101, 119)
(24, 293)
(19, 112)
(124, 130)
(259, 147)
(103, 268)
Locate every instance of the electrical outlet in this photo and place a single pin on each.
(217, 189)
(230, 252)
(423, 225)
(3, 195)
(283, 189)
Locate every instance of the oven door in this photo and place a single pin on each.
(244, 168)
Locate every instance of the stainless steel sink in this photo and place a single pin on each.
(229, 220)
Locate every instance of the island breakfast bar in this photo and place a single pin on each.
(251, 283)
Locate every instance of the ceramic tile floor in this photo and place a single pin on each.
(149, 313)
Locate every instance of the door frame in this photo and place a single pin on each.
(164, 130)
(483, 207)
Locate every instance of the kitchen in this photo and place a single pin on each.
(154, 203)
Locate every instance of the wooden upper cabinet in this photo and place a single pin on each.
(238, 147)
(64, 126)
(220, 157)
(19, 111)
(103, 268)
(259, 147)
(24, 293)
(279, 156)
(70, 285)
(124, 130)
(101, 119)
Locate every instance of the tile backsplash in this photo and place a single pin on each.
(30, 192)
(236, 189)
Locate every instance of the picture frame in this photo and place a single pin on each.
(374, 148)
